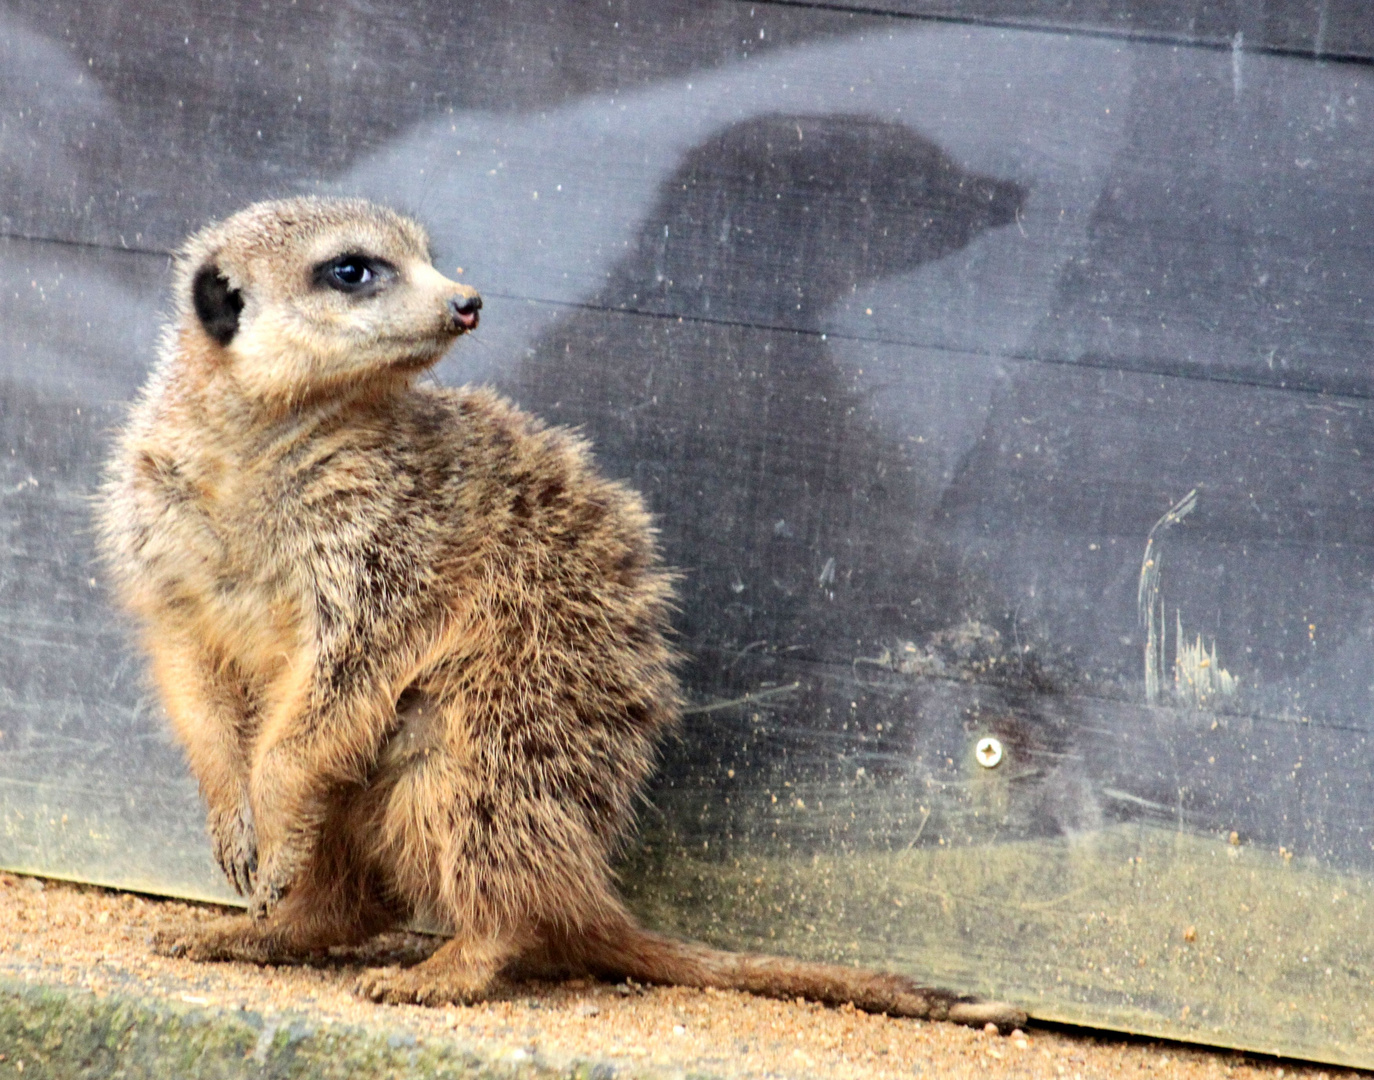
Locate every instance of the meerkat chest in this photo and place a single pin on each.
(214, 563)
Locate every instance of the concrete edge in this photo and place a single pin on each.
(60, 1033)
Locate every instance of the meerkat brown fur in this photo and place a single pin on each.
(412, 642)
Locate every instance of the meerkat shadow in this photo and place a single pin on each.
(800, 523)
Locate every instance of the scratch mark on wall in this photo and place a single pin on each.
(747, 699)
(1148, 601)
(1197, 675)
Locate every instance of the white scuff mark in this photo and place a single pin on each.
(1148, 601)
(747, 699)
(1126, 796)
(958, 651)
(1197, 675)
(907, 659)
(925, 816)
(30, 482)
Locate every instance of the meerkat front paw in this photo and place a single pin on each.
(236, 846)
(418, 986)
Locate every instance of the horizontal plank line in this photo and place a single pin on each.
(1145, 37)
(1163, 368)
(67, 242)
(1169, 369)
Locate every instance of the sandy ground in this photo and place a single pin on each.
(91, 938)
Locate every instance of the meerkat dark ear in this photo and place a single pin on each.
(218, 304)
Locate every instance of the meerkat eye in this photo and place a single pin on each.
(353, 273)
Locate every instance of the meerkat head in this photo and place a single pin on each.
(307, 296)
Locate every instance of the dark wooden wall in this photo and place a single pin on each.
(911, 320)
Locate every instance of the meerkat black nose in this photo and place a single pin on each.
(463, 310)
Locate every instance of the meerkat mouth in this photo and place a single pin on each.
(467, 320)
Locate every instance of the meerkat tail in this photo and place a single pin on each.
(629, 951)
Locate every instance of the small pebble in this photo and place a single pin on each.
(990, 1028)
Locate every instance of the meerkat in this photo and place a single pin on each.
(414, 645)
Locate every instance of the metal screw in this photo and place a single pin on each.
(988, 752)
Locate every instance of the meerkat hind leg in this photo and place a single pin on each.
(461, 971)
(241, 937)
(332, 905)
(278, 939)
(303, 926)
